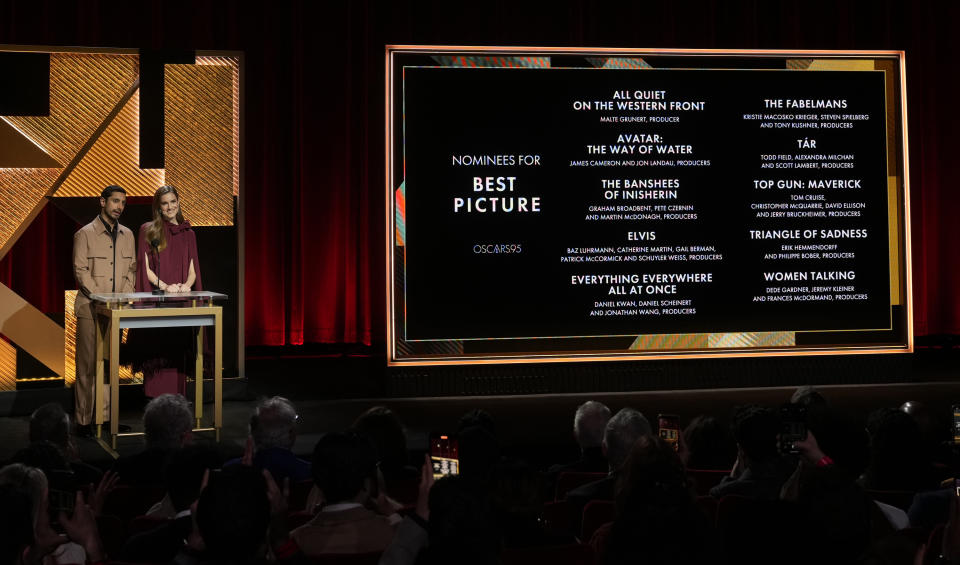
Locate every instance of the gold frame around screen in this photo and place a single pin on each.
(901, 278)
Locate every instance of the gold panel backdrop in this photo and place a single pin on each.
(84, 89)
(114, 158)
(8, 366)
(69, 339)
(20, 192)
(234, 64)
(198, 144)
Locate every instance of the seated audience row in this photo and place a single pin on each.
(829, 488)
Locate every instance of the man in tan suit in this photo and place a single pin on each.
(104, 260)
(345, 470)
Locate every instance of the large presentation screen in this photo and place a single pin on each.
(563, 204)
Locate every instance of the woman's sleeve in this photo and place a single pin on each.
(192, 256)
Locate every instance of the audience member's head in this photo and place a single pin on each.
(15, 524)
(60, 485)
(30, 481)
(652, 470)
(931, 427)
(233, 514)
(477, 417)
(709, 444)
(589, 422)
(167, 422)
(623, 429)
(51, 423)
(463, 526)
(274, 424)
(479, 452)
(657, 518)
(184, 473)
(897, 458)
(382, 426)
(818, 414)
(755, 429)
(808, 396)
(344, 467)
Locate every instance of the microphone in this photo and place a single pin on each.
(155, 243)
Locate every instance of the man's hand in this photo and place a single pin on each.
(81, 528)
(423, 493)
(279, 505)
(45, 541)
(247, 458)
(682, 450)
(194, 539)
(98, 496)
(735, 470)
(809, 449)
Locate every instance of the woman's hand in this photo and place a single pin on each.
(98, 496)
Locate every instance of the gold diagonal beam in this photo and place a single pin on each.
(29, 328)
(8, 245)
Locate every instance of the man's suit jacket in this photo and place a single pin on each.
(355, 530)
(577, 499)
(95, 265)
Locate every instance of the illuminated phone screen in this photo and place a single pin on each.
(956, 424)
(443, 467)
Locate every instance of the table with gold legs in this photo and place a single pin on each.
(118, 311)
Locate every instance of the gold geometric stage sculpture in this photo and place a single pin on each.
(90, 139)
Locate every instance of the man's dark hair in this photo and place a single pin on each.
(755, 428)
(184, 473)
(50, 423)
(233, 513)
(477, 417)
(108, 191)
(342, 461)
(709, 444)
(897, 457)
(384, 429)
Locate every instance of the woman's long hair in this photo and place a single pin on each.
(657, 520)
(156, 232)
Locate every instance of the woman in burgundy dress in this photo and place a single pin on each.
(169, 238)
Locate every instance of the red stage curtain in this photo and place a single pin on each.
(314, 110)
(29, 268)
